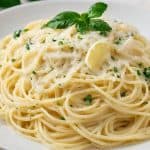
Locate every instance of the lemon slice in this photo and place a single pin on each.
(97, 55)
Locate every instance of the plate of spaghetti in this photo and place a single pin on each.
(75, 76)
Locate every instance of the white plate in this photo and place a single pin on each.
(14, 18)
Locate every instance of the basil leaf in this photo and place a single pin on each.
(82, 27)
(63, 20)
(84, 17)
(99, 25)
(9, 3)
(83, 24)
(97, 9)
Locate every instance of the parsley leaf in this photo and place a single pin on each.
(62, 118)
(63, 20)
(17, 34)
(115, 69)
(97, 9)
(13, 59)
(138, 72)
(99, 25)
(25, 30)
(146, 72)
(34, 72)
(118, 41)
(123, 93)
(27, 46)
(88, 99)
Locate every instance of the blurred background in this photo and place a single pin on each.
(9, 3)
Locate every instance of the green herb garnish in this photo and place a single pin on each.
(54, 40)
(113, 58)
(43, 41)
(115, 69)
(13, 59)
(61, 42)
(34, 72)
(99, 25)
(123, 94)
(62, 118)
(88, 99)
(140, 65)
(27, 46)
(118, 41)
(63, 20)
(146, 72)
(104, 33)
(138, 72)
(17, 34)
(97, 10)
(26, 30)
(145, 103)
(84, 22)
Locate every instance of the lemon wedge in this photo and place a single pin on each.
(97, 55)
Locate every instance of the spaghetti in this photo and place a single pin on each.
(48, 93)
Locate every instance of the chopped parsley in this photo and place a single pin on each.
(54, 40)
(59, 103)
(27, 46)
(118, 41)
(61, 42)
(59, 84)
(123, 93)
(17, 34)
(140, 65)
(62, 118)
(13, 60)
(43, 41)
(139, 72)
(34, 72)
(88, 99)
(115, 69)
(118, 76)
(144, 103)
(146, 72)
(113, 58)
(26, 30)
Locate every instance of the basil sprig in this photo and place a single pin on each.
(84, 22)
(97, 10)
(63, 20)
